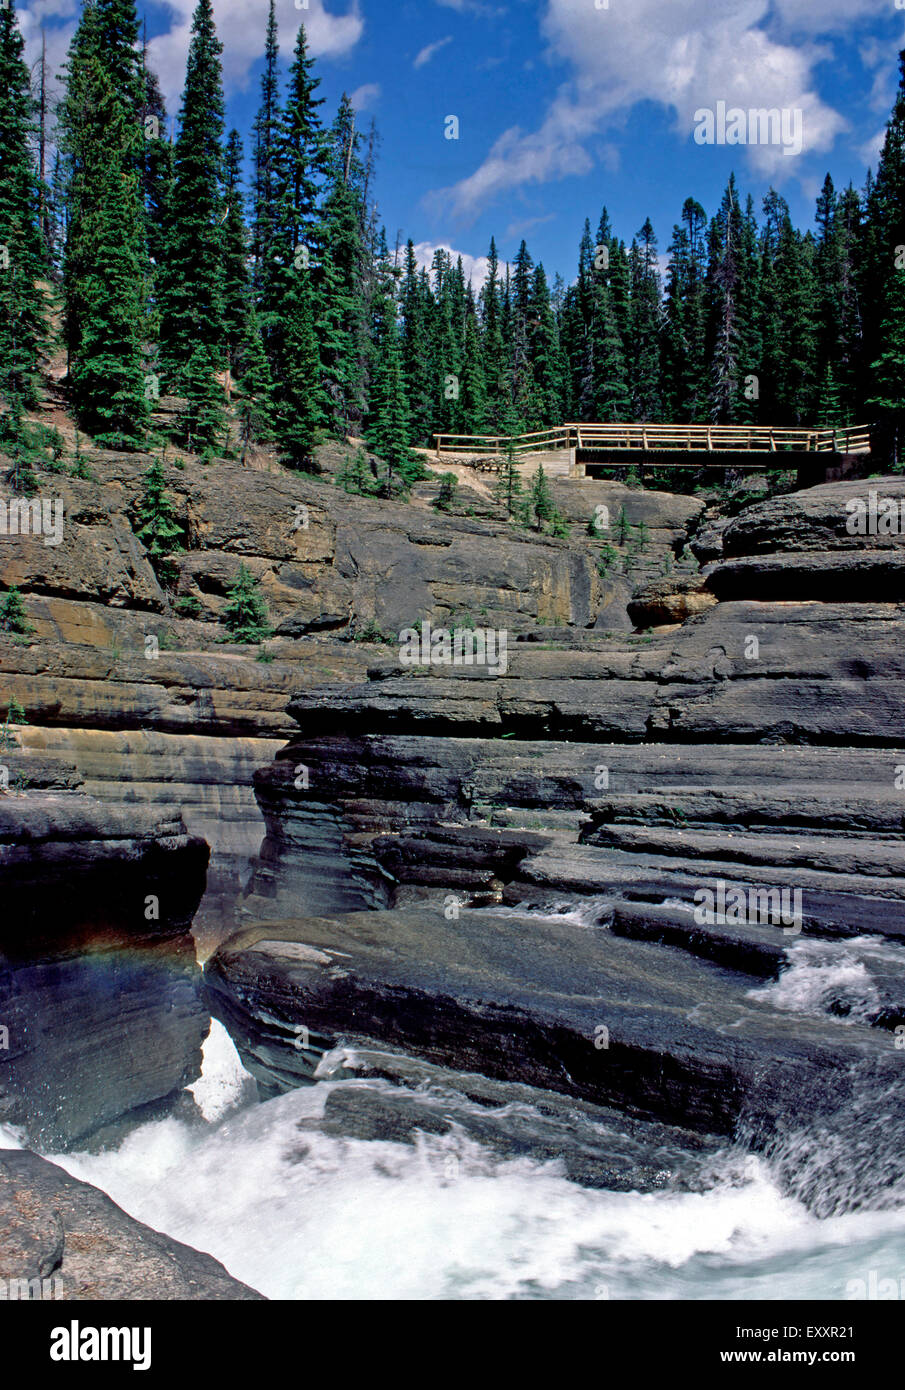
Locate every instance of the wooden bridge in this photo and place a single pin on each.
(594, 448)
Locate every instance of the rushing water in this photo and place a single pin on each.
(302, 1214)
(299, 1214)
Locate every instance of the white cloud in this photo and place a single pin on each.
(474, 267)
(365, 96)
(241, 29)
(684, 57)
(430, 50)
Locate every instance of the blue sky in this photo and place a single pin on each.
(563, 105)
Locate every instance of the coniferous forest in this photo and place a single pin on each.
(260, 288)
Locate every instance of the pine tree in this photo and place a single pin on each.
(495, 372)
(245, 616)
(288, 306)
(341, 323)
(446, 497)
(105, 277)
(254, 386)
(547, 365)
(387, 432)
(418, 365)
(13, 618)
(473, 407)
(885, 277)
(266, 136)
(236, 282)
(356, 476)
(644, 334)
(541, 498)
(156, 524)
(22, 325)
(193, 331)
(157, 172)
(685, 385)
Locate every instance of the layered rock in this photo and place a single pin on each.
(63, 1239)
(758, 750)
(99, 986)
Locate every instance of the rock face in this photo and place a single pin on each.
(63, 1239)
(99, 987)
(754, 755)
(136, 688)
(532, 1000)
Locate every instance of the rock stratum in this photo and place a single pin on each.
(496, 872)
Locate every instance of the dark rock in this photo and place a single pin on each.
(99, 987)
(67, 1233)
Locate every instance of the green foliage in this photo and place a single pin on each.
(542, 505)
(15, 714)
(191, 286)
(23, 329)
(356, 475)
(607, 559)
(156, 524)
(245, 616)
(446, 497)
(371, 632)
(188, 606)
(13, 617)
(105, 264)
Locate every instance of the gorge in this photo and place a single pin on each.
(449, 917)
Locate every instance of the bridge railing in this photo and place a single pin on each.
(711, 439)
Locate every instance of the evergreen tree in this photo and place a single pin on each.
(356, 475)
(157, 171)
(541, 498)
(685, 386)
(288, 302)
(156, 524)
(494, 352)
(341, 308)
(645, 322)
(266, 139)
(473, 406)
(387, 432)
(446, 497)
(254, 386)
(546, 403)
(886, 276)
(193, 334)
(105, 266)
(418, 363)
(22, 325)
(245, 616)
(13, 618)
(236, 283)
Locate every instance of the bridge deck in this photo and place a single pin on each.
(727, 442)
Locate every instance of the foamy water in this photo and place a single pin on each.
(302, 1215)
(821, 974)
